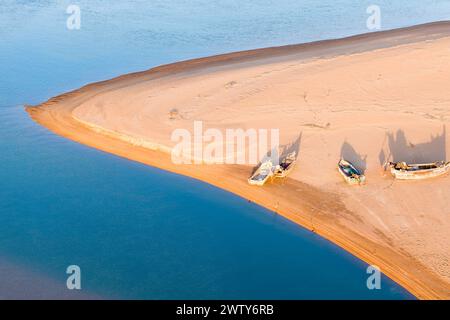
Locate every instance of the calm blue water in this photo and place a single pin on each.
(135, 231)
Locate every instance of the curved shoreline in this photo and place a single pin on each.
(311, 210)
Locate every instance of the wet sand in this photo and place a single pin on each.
(369, 98)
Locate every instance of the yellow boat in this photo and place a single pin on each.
(286, 165)
(262, 174)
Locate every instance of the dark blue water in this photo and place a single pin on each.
(135, 231)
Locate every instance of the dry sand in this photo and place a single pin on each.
(370, 98)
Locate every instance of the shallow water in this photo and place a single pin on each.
(135, 231)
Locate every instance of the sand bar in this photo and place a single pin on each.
(369, 98)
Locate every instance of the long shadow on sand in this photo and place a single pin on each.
(349, 153)
(401, 149)
(283, 151)
(291, 147)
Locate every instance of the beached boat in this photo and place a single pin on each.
(286, 165)
(350, 173)
(262, 174)
(404, 171)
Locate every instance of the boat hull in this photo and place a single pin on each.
(258, 182)
(262, 174)
(285, 173)
(420, 174)
(352, 180)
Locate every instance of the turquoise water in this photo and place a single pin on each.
(135, 231)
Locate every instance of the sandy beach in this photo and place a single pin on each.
(369, 98)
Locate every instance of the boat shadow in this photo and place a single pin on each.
(349, 154)
(282, 151)
(294, 146)
(400, 149)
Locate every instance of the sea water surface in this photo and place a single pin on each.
(137, 232)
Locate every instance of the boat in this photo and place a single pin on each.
(404, 171)
(262, 174)
(286, 165)
(350, 173)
